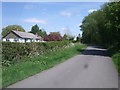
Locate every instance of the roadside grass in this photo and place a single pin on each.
(115, 54)
(37, 64)
(116, 60)
(0, 77)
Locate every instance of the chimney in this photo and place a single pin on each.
(16, 29)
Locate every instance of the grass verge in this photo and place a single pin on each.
(37, 64)
(116, 60)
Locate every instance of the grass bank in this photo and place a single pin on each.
(114, 52)
(116, 60)
(37, 64)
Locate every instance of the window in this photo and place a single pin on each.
(7, 39)
(15, 39)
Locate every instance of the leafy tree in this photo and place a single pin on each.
(92, 27)
(112, 17)
(103, 26)
(68, 37)
(34, 29)
(65, 37)
(9, 28)
(41, 33)
(78, 39)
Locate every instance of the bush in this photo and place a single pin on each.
(12, 52)
(116, 60)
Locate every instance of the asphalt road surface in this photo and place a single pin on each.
(93, 68)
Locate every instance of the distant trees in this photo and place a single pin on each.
(40, 32)
(68, 37)
(53, 36)
(78, 38)
(103, 26)
(9, 28)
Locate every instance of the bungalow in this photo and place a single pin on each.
(17, 36)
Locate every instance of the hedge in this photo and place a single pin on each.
(13, 52)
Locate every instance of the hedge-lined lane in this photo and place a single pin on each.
(37, 64)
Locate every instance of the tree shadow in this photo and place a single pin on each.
(94, 46)
(98, 52)
(95, 52)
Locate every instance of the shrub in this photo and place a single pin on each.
(12, 52)
(53, 37)
(116, 60)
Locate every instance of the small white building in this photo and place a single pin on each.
(17, 36)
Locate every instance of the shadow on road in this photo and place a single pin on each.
(96, 50)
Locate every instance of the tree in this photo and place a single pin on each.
(54, 36)
(41, 33)
(92, 27)
(103, 26)
(68, 37)
(78, 39)
(9, 28)
(112, 17)
(34, 29)
(65, 37)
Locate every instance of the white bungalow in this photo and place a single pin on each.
(17, 36)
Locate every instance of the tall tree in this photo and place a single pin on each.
(92, 27)
(103, 26)
(41, 33)
(34, 29)
(9, 28)
(68, 37)
(112, 17)
(78, 39)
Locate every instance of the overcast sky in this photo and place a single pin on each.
(63, 17)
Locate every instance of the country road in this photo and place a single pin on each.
(93, 68)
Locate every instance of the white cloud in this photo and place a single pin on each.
(64, 29)
(92, 10)
(66, 13)
(34, 20)
(28, 6)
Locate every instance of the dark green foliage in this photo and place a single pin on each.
(92, 27)
(103, 26)
(34, 29)
(13, 52)
(68, 37)
(9, 28)
(78, 39)
(40, 32)
(65, 37)
(116, 60)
